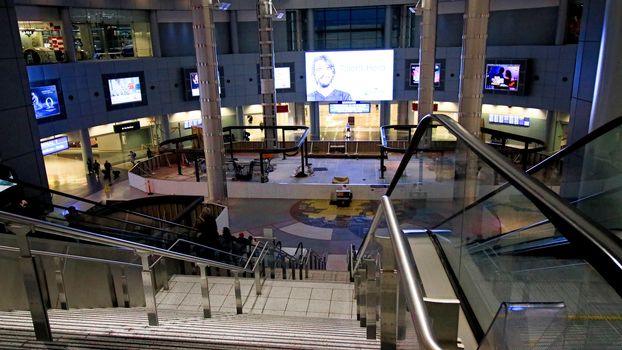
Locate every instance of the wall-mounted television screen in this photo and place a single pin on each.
(47, 100)
(191, 83)
(505, 76)
(415, 72)
(188, 124)
(349, 75)
(346, 107)
(54, 145)
(282, 78)
(124, 90)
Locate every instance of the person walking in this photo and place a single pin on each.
(96, 168)
(133, 157)
(89, 166)
(107, 171)
(149, 153)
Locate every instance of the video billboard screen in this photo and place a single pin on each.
(54, 145)
(194, 84)
(415, 73)
(124, 90)
(282, 78)
(506, 76)
(191, 83)
(349, 75)
(45, 101)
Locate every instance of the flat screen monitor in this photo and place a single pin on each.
(124, 90)
(337, 108)
(191, 83)
(349, 75)
(47, 100)
(54, 145)
(505, 76)
(509, 120)
(282, 78)
(415, 73)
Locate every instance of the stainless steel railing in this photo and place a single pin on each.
(150, 256)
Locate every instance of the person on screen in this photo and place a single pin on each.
(195, 81)
(324, 74)
(508, 80)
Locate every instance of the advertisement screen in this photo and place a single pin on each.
(336, 108)
(415, 72)
(282, 78)
(502, 77)
(54, 145)
(349, 75)
(45, 101)
(124, 90)
(194, 84)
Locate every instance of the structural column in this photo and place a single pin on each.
(156, 49)
(310, 30)
(314, 108)
(68, 38)
(385, 113)
(233, 32)
(607, 103)
(299, 113)
(85, 147)
(166, 127)
(239, 115)
(402, 112)
(266, 70)
(470, 94)
(207, 67)
(427, 56)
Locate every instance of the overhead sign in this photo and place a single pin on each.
(119, 128)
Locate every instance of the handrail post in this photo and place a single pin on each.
(362, 295)
(125, 289)
(38, 312)
(388, 295)
(292, 264)
(371, 301)
(238, 293)
(60, 283)
(148, 289)
(257, 274)
(207, 308)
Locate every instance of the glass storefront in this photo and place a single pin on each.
(108, 34)
(42, 42)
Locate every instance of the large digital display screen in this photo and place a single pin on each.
(337, 108)
(191, 83)
(506, 76)
(415, 73)
(194, 84)
(45, 101)
(282, 78)
(54, 145)
(349, 75)
(124, 90)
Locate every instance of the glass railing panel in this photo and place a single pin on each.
(590, 177)
(454, 199)
(526, 326)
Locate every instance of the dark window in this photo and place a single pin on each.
(349, 28)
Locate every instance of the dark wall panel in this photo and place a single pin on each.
(176, 39)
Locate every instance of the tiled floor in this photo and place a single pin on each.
(278, 297)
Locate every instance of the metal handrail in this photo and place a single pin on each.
(71, 256)
(65, 231)
(548, 202)
(407, 269)
(98, 204)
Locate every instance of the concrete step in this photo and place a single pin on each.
(128, 329)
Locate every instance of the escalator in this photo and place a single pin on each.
(505, 238)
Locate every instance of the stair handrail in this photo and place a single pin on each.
(407, 270)
(71, 256)
(60, 230)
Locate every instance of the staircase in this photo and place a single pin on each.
(128, 329)
(288, 314)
